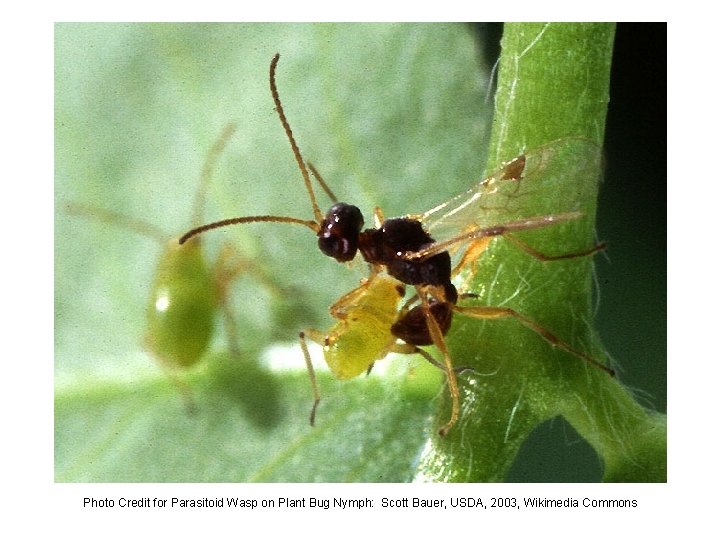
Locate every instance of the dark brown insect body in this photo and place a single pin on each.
(341, 236)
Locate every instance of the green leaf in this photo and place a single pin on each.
(137, 109)
(251, 426)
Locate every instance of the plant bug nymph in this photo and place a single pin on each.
(187, 292)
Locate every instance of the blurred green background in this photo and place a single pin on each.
(392, 115)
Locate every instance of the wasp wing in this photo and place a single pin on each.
(556, 179)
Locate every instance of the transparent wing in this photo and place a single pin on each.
(555, 179)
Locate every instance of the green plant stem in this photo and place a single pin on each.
(553, 84)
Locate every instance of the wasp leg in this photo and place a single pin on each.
(406, 348)
(543, 257)
(471, 255)
(439, 341)
(317, 337)
(487, 312)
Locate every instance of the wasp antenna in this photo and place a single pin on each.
(296, 151)
(247, 219)
(322, 183)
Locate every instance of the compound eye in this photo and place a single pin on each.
(340, 232)
(337, 247)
